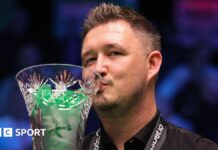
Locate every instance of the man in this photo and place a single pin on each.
(124, 48)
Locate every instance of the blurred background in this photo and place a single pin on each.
(35, 32)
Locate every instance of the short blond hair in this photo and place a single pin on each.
(105, 13)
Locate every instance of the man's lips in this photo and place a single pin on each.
(104, 84)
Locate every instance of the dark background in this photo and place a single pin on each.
(36, 32)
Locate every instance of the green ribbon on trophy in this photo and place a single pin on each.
(59, 109)
(61, 99)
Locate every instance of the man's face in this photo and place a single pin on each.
(118, 54)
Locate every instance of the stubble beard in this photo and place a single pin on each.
(121, 105)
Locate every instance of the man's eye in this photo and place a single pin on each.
(90, 61)
(115, 53)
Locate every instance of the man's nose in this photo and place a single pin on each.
(101, 66)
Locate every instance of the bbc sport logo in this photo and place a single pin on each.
(6, 132)
(10, 132)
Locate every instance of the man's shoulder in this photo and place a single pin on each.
(181, 138)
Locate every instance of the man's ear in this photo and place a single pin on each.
(154, 61)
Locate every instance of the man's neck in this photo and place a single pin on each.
(122, 128)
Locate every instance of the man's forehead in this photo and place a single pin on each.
(116, 33)
(111, 26)
(109, 33)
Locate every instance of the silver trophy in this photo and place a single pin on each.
(58, 98)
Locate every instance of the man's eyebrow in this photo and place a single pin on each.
(104, 48)
(88, 52)
(114, 45)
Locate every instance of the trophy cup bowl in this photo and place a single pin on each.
(58, 98)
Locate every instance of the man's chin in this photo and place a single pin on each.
(105, 105)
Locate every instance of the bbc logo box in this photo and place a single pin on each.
(6, 132)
